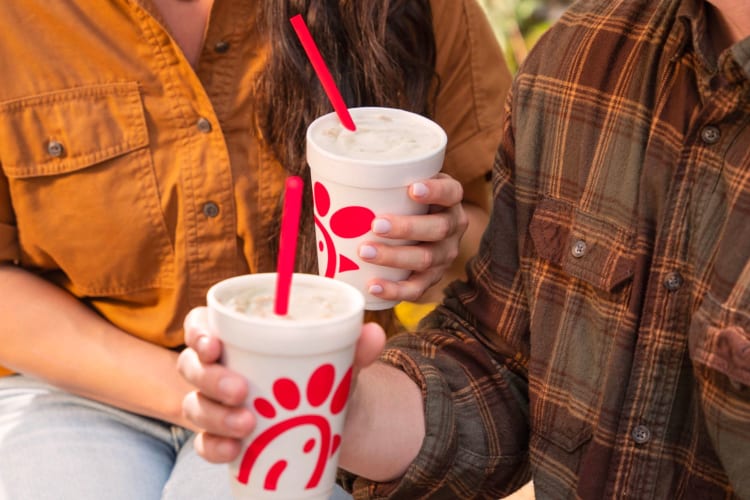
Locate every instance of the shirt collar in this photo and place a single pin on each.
(741, 53)
(692, 14)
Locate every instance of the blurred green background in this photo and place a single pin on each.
(519, 23)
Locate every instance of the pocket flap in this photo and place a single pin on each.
(583, 245)
(64, 131)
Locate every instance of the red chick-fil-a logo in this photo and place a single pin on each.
(347, 222)
(287, 395)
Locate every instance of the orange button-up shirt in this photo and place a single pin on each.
(136, 181)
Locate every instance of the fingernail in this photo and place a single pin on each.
(367, 252)
(419, 190)
(229, 386)
(235, 420)
(226, 448)
(202, 344)
(381, 226)
(375, 289)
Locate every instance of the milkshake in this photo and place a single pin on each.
(380, 136)
(359, 175)
(305, 303)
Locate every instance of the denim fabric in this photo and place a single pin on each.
(57, 446)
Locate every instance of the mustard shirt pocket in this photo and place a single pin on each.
(83, 189)
(580, 276)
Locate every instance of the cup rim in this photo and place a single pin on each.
(355, 299)
(379, 163)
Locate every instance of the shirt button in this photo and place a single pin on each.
(221, 46)
(578, 249)
(210, 209)
(203, 125)
(641, 434)
(710, 134)
(673, 281)
(55, 149)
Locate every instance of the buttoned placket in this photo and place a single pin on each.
(653, 367)
(206, 178)
(232, 58)
(709, 140)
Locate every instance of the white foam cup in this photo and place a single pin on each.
(359, 175)
(298, 368)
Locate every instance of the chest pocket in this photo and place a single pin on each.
(83, 189)
(580, 281)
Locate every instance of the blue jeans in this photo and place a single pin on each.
(57, 446)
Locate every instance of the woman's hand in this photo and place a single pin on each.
(216, 408)
(438, 234)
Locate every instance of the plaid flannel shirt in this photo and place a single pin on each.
(602, 341)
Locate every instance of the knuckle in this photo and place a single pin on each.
(389, 291)
(460, 191)
(193, 324)
(233, 397)
(443, 228)
(181, 362)
(208, 447)
(463, 221)
(452, 253)
(200, 445)
(191, 334)
(185, 364)
(428, 258)
(189, 406)
(413, 293)
(402, 226)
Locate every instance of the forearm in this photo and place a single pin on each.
(48, 334)
(477, 420)
(384, 427)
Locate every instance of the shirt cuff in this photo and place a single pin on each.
(435, 458)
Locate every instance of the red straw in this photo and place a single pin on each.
(322, 70)
(288, 243)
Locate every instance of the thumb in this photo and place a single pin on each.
(369, 346)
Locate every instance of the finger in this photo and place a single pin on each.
(195, 325)
(369, 345)
(213, 380)
(198, 337)
(436, 226)
(209, 349)
(206, 414)
(410, 290)
(441, 190)
(412, 257)
(216, 449)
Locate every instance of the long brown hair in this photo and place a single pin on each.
(380, 53)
